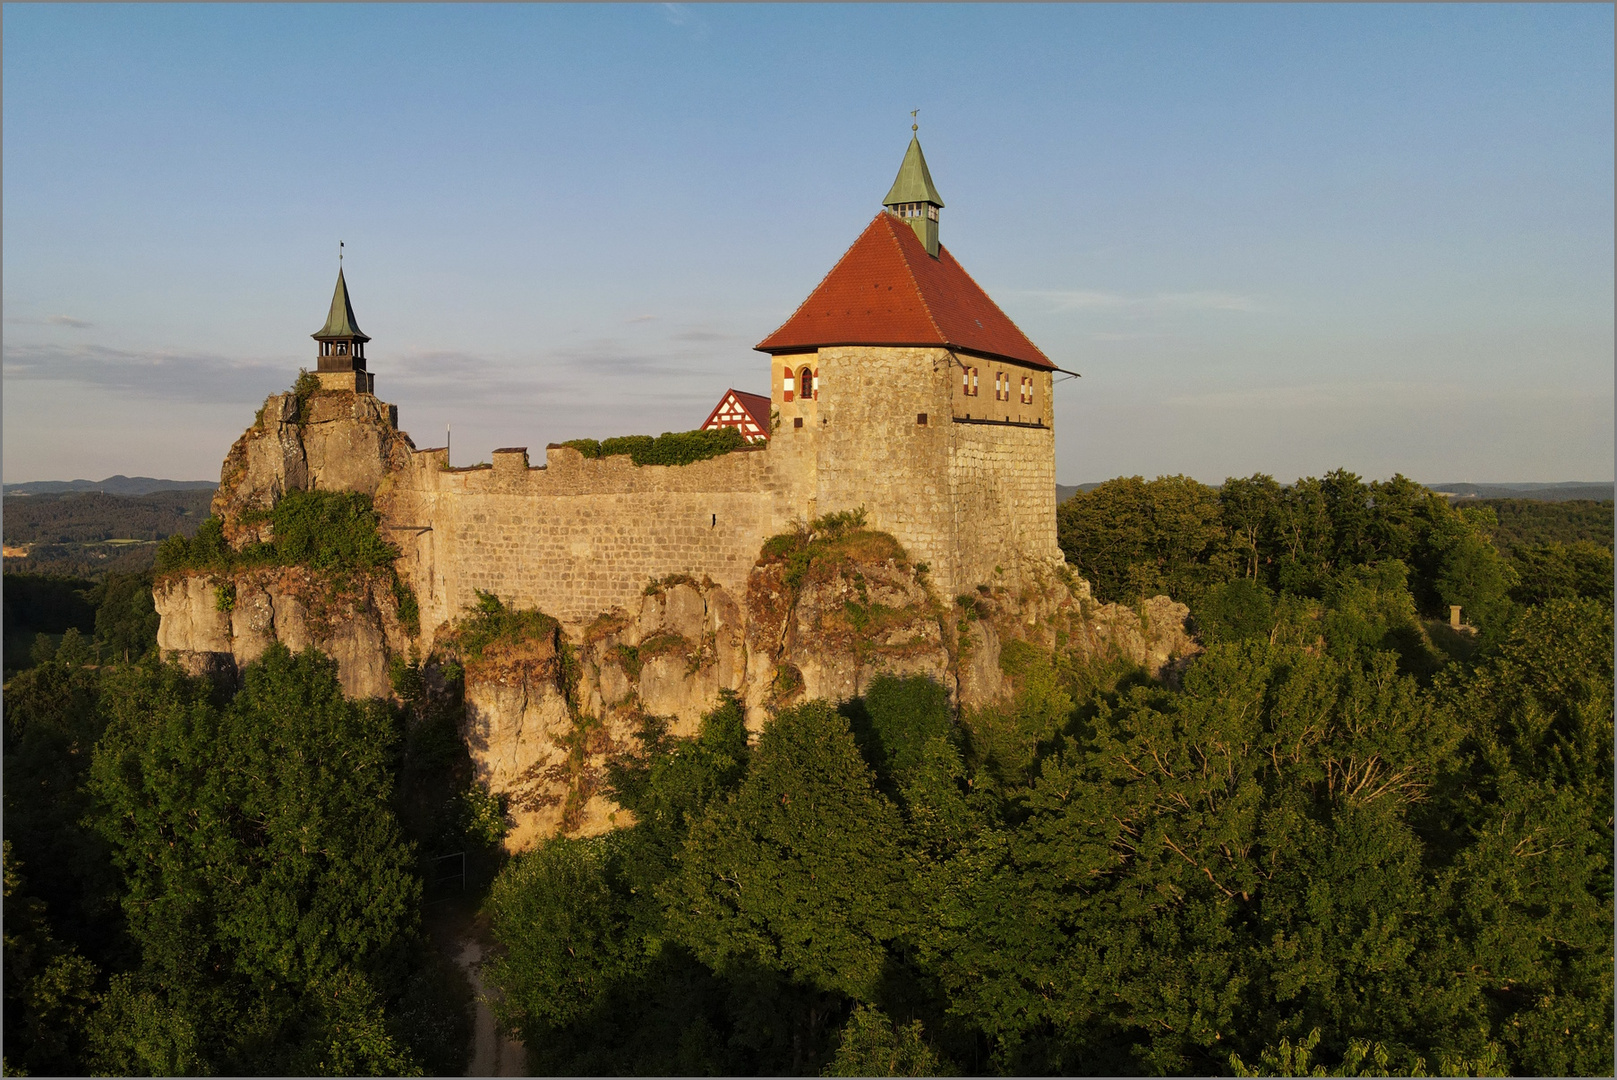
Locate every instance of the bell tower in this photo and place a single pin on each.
(342, 347)
(913, 196)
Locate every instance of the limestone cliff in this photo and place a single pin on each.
(217, 623)
(545, 714)
(321, 440)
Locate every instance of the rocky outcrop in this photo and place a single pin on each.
(219, 623)
(815, 628)
(1060, 611)
(327, 440)
(529, 743)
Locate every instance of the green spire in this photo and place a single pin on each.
(340, 324)
(914, 183)
(914, 198)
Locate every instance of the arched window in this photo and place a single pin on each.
(805, 379)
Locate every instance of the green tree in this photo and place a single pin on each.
(126, 619)
(1249, 509)
(1535, 881)
(1557, 571)
(799, 872)
(48, 987)
(265, 881)
(590, 974)
(1134, 538)
(872, 1046)
(1475, 576)
(1208, 870)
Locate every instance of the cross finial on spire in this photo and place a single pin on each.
(914, 126)
(339, 253)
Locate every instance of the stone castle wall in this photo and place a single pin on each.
(577, 536)
(1002, 497)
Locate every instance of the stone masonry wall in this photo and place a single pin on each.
(578, 536)
(1002, 489)
(873, 451)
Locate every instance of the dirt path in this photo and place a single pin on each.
(493, 1054)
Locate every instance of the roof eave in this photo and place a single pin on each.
(781, 350)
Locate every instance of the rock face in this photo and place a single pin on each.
(219, 623)
(527, 745)
(546, 745)
(330, 440)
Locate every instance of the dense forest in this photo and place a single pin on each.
(1346, 839)
(89, 534)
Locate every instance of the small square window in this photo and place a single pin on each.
(797, 421)
(920, 419)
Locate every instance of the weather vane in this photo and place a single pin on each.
(914, 126)
(339, 253)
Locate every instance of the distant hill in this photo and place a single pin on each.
(1542, 492)
(1067, 491)
(112, 485)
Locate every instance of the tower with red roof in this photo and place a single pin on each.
(910, 393)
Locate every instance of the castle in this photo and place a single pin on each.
(897, 386)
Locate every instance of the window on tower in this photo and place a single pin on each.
(805, 379)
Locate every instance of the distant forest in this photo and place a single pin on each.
(84, 517)
(90, 534)
(1525, 522)
(1346, 839)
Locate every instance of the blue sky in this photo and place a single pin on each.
(1272, 238)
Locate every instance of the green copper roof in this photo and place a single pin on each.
(340, 323)
(914, 183)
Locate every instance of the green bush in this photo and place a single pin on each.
(323, 530)
(669, 448)
(490, 621)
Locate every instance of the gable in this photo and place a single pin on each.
(749, 413)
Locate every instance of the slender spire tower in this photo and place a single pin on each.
(342, 346)
(913, 196)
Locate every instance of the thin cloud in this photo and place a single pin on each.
(641, 318)
(704, 335)
(163, 375)
(681, 15)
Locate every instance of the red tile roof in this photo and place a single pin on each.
(888, 291)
